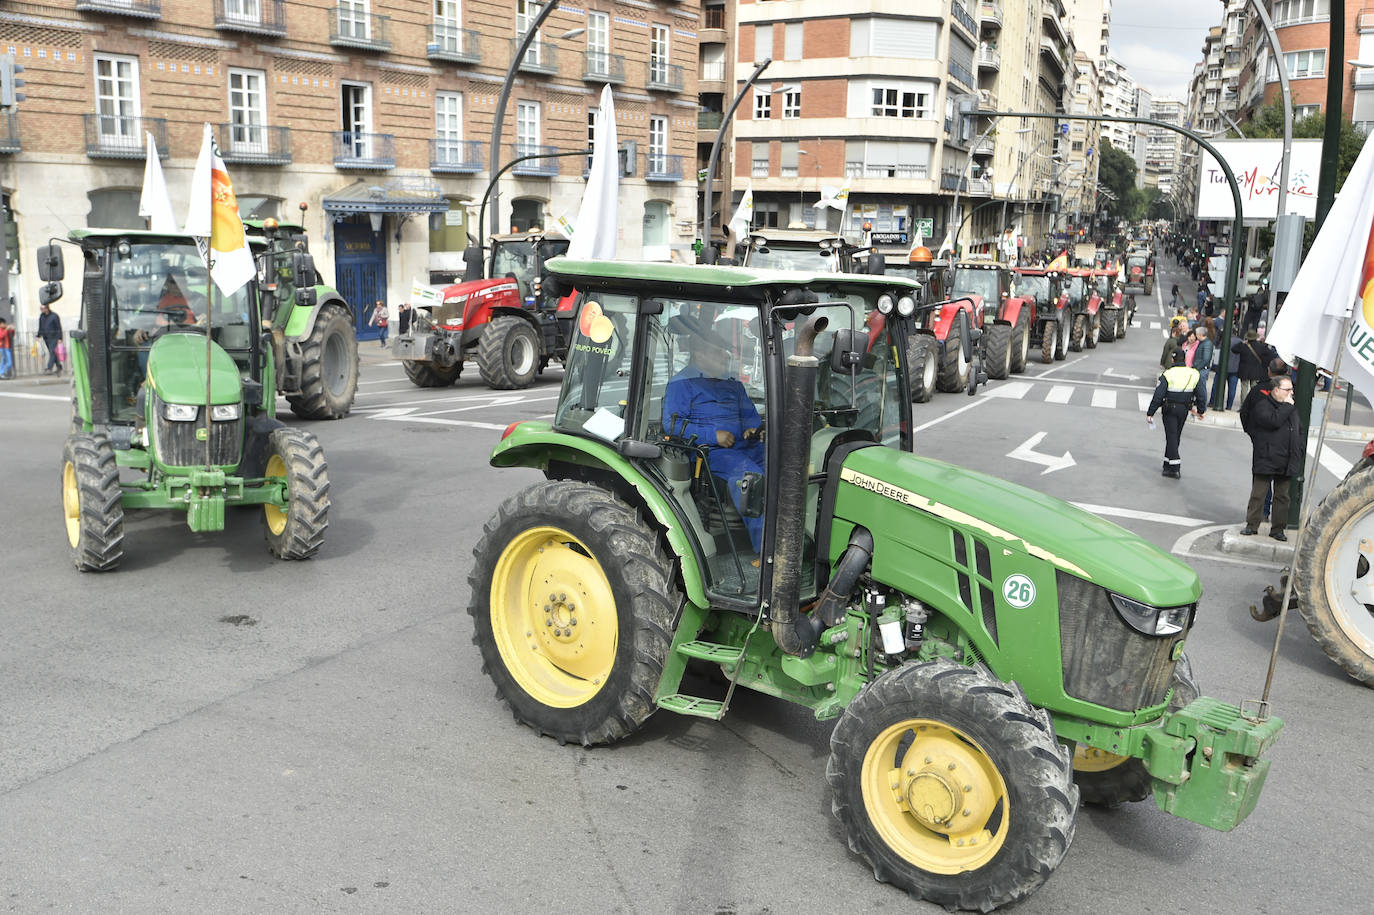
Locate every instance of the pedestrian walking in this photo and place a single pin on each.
(379, 320)
(1254, 358)
(404, 315)
(1172, 344)
(1272, 424)
(6, 349)
(1175, 297)
(50, 332)
(1178, 393)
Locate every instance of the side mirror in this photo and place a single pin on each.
(50, 269)
(847, 353)
(306, 296)
(49, 293)
(303, 269)
(472, 263)
(877, 264)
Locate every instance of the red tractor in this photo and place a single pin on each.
(939, 349)
(1086, 303)
(1052, 312)
(1007, 318)
(1116, 309)
(504, 323)
(1140, 271)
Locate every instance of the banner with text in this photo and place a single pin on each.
(1255, 164)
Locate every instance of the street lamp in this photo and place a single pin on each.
(963, 177)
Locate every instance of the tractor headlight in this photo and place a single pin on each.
(180, 412)
(886, 304)
(1157, 621)
(906, 306)
(224, 412)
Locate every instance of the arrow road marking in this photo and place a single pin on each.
(1108, 373)
(1026, 452)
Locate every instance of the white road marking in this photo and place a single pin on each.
(1012, 390)
(1329, 459)
(1155, 325)
(1062, 365)
(1026, 452)
(939, 419)
(1105, 399)
(1144, 401)
(405, 416)
(1109, 511)
(22, 396)
(1183, 547)
(1059, 393)
(1112, 373)
(459, 398)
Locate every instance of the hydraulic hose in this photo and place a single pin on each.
(830, 607)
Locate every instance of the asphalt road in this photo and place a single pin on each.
(209, 730)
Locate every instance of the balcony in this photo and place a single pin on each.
(352, 28)
(113, 136)
(1050, 50)
(959, 72)
(1052, 14)
(960, 15)
(710, 120)
(1362, 77)
(989, 59)
(987, 100)
(9, 132)
(535, 168)
(890, 170)
(663, 76)
(139, 9)
(256, 17)
(990, 12)
(951, 181)
(662, 167)
(983, 147)
(455, 157)
(254, 144)
(540, 57)
(373, 151)
(455, 45)
(600, 67)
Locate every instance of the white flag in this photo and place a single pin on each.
(154, 204)
(835, 198)
(214, 215)
(744, 215)
(946, 245)
(1338, 274)
(596, 217)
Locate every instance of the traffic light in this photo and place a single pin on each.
(1216, 272)
(10, 83)
(1250, 283)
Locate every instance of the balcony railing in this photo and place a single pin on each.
(352, 28)
(989, 59)
(140, 9)
(990, 11)
(961, 73)
(963, 17)
(953, 181)
(983, 147)
(535, 168)
(353, 149)
(113, 136)
(710, 120)
(662, 167)
(987, 100)
(601, 67)
(876, 170)
(455, 157)
(257, 17)
(540, 57)
(713, 71)
(663, 76)
(254, 144)
(9, 131)
(448, 42)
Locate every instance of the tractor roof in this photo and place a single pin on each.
(1034, 271)
(804, 236)
(142, 235)
(670, 278)
(526, 236)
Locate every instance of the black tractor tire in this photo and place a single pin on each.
(1093, 332)
(297, 532)
(1332, 572)
(329, 367)
(1020, 344)
(429, 375)
(92, 504)
(601, 563)
(508, 353)
(1108, 319)
(1123, 323)
(1061, 345)
(1149, 285)
(1078, 332)
(997, 359)
(954, 368)
(1048, 338)
(1107, 780)
(923, 358)
(987, 750)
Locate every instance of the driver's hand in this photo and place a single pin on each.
(725, 439)
(751, 434)
(140, 337)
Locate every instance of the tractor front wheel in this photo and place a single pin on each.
(429, 375)
(923, 358)
(1049, 336)
(952, 786)
(1123, 323)
(92, 504)
(297, 530)
(508, 354)
(1061, 346)
(1094, 330)
(329, 367)
(1107, 318)
(1078, 332)
(1335, 580)
(998, 358)
(1020, 348)
(573, 603)
(954, 362)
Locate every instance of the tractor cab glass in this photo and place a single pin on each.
(781, 256)
(520, 258)
(1077, 288)
(977, 281)
(1036, 286)
(1102, 284)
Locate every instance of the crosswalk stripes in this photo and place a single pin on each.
(1068, 394)
(1059, 393)
(1104, 398)
(1144, 401)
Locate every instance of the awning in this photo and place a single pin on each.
(394, 195)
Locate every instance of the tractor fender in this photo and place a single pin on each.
(537, 445)
(1012, 308)
(302, 320)
(483, 298)
(1094, 303)
(973, 304)
(1116, 299)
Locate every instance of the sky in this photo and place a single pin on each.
(1159, 41)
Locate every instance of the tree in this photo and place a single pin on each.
(1116, 172)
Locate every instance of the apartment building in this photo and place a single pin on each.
(375, 115)
(1075, 177)
(1124, 98)
(1164, 152)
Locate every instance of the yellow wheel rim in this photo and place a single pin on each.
(71, 503)
(553, 617)
(935, 797)
(1091, 759)
(276, 518)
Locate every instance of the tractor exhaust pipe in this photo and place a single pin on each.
(794, 634)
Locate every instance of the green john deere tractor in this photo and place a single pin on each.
(173, 400)
(989, 652)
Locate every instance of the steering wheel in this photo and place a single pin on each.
(177, 313)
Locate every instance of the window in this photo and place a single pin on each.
(247, 111)
(248, 11)
(598, 43)
(887, 159)
(790, 152)
(715, 17)
(658, 145)
(1291, 12)
(763, 104)
(713, 62)
(591, 135)
(889, 102)
(526, 128)
(356, 118)
(792, 41)
(354, 22)
(763, 42)
(448, 24)
(526, 11)
(116, 101)
(448, 127)
(765, 215)
(448, 230)
(760, 161)
(525, 213)
(1301, 65)
(791, 102)
(658, 54)
(1304, 111)
(655, 232)
(907, 39)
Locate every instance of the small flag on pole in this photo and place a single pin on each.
(835, 198)
(214, 216)
(744, 215)
(154, 204)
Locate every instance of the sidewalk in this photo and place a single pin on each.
(1361, 428)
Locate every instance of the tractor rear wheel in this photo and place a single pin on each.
(1078, 331)
(1020, 345)
(297, 531)
(1108, 780)
(1123, 323)
(1061, 346)
(573, 603)
(1048, 338)
(1094, 330)
(954, 364)
(92, 504)
(923, 357)
(1335, 580)
(508, 354)
(1108, 317)
(429, 375)
(952, 786)
(998, 356)
(329, 367)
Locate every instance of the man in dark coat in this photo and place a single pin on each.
(1273, 429)
(50, 330)
(1180, 390)
(1255, 356)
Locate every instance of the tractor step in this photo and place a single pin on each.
(711, 651)
(695, 706)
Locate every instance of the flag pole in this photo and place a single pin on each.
(209, 344)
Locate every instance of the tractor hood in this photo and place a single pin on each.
(1021, 519)
(176, 371)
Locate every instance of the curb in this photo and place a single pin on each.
(1258, 546)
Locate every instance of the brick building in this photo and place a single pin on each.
(376, 115)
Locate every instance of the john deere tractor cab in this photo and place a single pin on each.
(988, 652)
(174, 398)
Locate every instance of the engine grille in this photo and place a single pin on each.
(1105, 661)
(177, 445)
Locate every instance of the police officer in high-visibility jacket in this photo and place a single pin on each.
(1179, 391)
